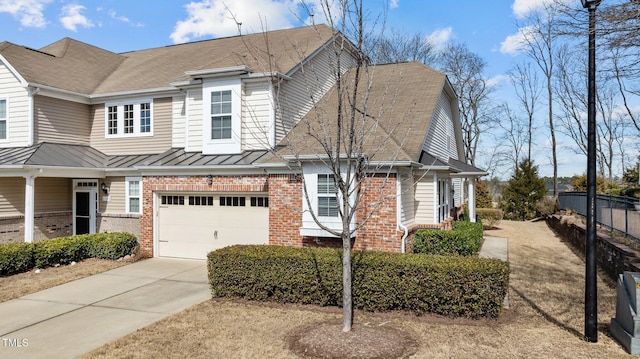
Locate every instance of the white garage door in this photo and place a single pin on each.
(192, 225)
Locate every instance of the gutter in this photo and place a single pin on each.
(399, 213)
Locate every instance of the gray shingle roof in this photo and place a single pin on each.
(75, 66)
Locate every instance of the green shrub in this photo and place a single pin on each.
(111, 245)
(15, 257)
(63, 250)
(464, 239)
(447, 285)
(18, 257)
(490, 217)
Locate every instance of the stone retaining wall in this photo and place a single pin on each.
(614, 255)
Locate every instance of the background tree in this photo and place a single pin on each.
(395, 46)
(514, 136)
(465, 70)
(540, 41)
(526, 84)
(483, 197)
(523, 191)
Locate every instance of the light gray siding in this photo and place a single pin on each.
(407, 198)
(61, 121)
(12, 196)
(307, 85)
(440, 140)
(159, 142)
(18, 127)
(116, 202)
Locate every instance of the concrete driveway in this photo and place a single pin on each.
(74, 318)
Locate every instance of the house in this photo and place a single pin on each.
(180, 144)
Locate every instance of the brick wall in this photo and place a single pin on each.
(114, 222)
(379, 201)
(47, 225)
(252, 183)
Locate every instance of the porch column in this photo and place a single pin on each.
(29, 207)
(472, 199)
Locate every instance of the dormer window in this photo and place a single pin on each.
(129, 119)
(221, 119)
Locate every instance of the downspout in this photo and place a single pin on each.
(399, 213)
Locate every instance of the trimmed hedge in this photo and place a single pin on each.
(16, 257)
(448, 285)
(464, 239)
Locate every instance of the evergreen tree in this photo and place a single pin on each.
(523, 191)
(483, 197)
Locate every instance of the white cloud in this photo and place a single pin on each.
(215, 17)
(394, 4)
(497, 79)
(522, 8)
(71, 17)
(112, 13)
(30, 12)
(514, 44)
(440, 37)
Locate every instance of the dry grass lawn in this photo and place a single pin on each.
(544, 320)
(25, 283)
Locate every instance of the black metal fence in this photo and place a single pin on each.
(616, 213)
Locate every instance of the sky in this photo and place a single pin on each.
(488, 28)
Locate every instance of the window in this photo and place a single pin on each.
(3, 119)
(201, 200)
(129, 119)
(259, 201)
(112, 120)
(134, 194)
(172, 200)
(220, 115)
(327, 200)
(145, 117)
(232, 201)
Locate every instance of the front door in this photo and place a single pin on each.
(83, 213)
(85, 194)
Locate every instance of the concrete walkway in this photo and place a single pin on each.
(77, 317)
(496, 247)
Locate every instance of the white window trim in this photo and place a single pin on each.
(128, 180)
(136, 118)
(228, 145)
(309, 226)
(5, 119)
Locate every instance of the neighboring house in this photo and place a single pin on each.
(176, 144)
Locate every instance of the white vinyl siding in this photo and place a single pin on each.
(179, 107)
(159, 142)
(308, 84)
(17, 109)
(407, 199)
(425, 200)
(61, 121)
(440, 140)
(194, 120)
(257, 116)
(3, 119)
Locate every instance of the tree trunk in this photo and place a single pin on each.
(347, 300)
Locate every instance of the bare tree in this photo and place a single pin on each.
(540, 39)
(466, 73)
(526, 84)
(394, 46)
(514, 134)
